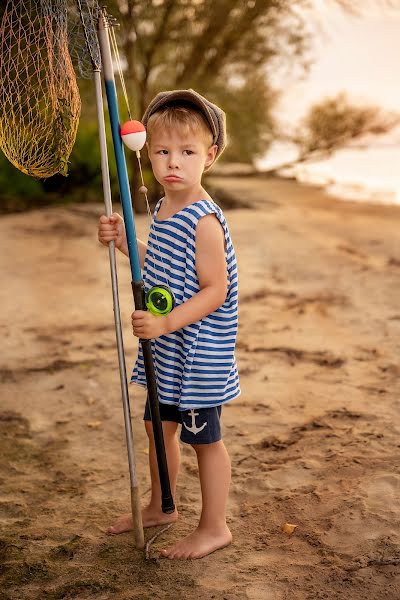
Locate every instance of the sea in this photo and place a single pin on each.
(367, 172)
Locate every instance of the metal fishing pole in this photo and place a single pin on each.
(137, 282)
(135, 494)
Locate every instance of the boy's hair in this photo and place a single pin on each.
(182, 117)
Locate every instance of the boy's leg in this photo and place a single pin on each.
(214, 464)
(152, 514)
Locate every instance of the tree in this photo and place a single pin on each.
(205, 44)
(229, 51)
(335, 123)
(223, 49)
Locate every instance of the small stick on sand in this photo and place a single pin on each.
(155, 536)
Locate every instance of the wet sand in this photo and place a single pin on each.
(314, 437)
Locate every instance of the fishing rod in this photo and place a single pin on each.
(94, 54)
(167, 502)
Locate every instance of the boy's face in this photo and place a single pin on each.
(178, 160)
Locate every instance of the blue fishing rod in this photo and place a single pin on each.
(167, 502)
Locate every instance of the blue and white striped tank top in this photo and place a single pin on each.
(196, 365)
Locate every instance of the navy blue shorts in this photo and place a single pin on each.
(199, 425)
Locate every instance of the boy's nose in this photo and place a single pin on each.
(173, 162)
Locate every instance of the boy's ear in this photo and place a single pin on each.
(211, 154)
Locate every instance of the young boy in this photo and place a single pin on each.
(190, 250)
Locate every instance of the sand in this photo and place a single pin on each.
(314, 437)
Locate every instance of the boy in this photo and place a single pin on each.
(190, 250)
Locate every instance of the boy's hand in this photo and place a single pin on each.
(148, 326)
(112, 228)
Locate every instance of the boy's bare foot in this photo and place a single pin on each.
(198, 544)
(150, 516)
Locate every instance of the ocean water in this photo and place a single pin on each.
(368, 172)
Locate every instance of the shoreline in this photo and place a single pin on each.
(307, 194)
(352, 189)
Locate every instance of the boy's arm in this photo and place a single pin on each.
(113, 228)
(212, 275)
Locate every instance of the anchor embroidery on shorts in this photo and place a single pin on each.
(193, 428)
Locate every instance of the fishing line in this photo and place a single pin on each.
(159, 299)
(134, 133)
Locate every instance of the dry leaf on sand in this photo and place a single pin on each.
(94, 424)
(288, 528)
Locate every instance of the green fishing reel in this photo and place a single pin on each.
(160, 300)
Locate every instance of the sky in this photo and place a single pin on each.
(356, 54)
(359, 55)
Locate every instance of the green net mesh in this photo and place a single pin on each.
(39, 96)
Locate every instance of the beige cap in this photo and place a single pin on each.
(215, 117)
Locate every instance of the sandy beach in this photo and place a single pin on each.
(314, 437)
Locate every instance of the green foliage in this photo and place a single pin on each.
(83, 183)
(17, 190)
(250, 124)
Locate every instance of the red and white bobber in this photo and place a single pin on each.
(133, 134)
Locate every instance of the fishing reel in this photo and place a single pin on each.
(160, 300)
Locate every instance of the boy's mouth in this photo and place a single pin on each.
(172, 178)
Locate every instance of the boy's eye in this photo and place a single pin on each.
(164, 152)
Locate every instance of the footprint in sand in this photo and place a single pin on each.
(372, 514)
(351, 250)
(290, 477)
(382, 493)
(268, 591)
(357, 532)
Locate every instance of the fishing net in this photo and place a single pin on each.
(83, 16)
(39, 96)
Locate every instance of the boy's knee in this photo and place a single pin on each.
(169, 429)
(202, 448)
(149, 429)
